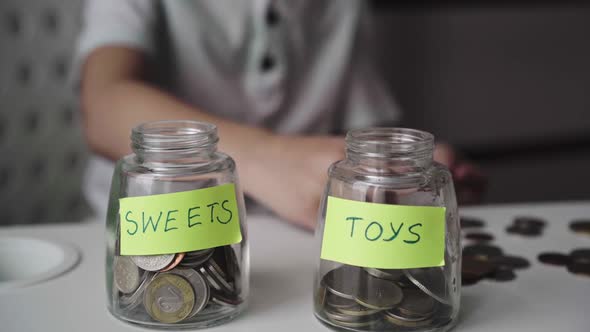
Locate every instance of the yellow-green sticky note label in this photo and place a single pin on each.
(179, 222)
(383, 235)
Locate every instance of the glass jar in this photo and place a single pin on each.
(177, 250)
(389, 237)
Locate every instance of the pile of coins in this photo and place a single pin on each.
(375, 299)
(526, 226)
(580, 227)
(577, 262)
(481, 261)
(175, 287)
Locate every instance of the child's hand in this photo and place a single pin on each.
(292, 174)
(470, 182)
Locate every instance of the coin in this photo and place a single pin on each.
(431, 281)
(510, 262)
(339, 302)
(357, 311)
(578, 268)
(196, 259)
(580, 256)
(529, 221)
(416, 303)
(395, 318)
(480, 237)
(177, 259)
(502, 274)
(340, 317)
(153, 262)
(580, 226)
(200, 288)
(482, 251)
(554, 258)
(130, 301)
(343, 281)
(389, 274)
(471, 222)
(214, 275)
(126, 274)
(169, 298)
(474, 269)
(376, 293)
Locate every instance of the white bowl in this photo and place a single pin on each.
(29, 261)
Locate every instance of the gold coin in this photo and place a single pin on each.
(169, 298)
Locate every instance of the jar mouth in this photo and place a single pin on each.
(389, 142)
(174, 134)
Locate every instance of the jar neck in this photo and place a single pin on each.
(174, 142)
(390, 147)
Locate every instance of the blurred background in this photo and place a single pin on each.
(507, 83)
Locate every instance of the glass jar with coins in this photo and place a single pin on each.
(388, 236)
(177, 253)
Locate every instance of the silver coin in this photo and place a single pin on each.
(376, 293)
(416, 304)
(216, 272)
(196, 260)
(199, 253)
(393, 275)
(339, 302)
(153, 262)
(431, 281)
(131, 301)
(200, 287)
(126, 274)
(339, 317)
(343, 281)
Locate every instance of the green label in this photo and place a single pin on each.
(383, 235)
(179, 222)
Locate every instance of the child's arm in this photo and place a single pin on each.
(285, 173)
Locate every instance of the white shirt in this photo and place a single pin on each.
(294, 66)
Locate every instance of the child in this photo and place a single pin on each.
(268, 73)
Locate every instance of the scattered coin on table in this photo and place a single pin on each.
(471, 222)
(479, 237)
(527, 226)
(577, 262)
(489, 262)
(580, 226)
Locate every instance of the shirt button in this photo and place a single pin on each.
(267, 63)
(272, 16)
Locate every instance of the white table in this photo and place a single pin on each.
(542, 298)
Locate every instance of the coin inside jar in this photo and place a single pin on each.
(416, 304)
(343, 281)
(126, 274)
(200, 288)
(169, 298)
(177, 259)
(153, 262)
(376, 293)
(431, 281)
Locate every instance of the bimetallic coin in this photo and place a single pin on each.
(169, 298)
(177, 259)
(431, 281)
(343, 281)
(126, 275)
(376, 293)
(153, 262)
(200, 288)
(554, 258)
